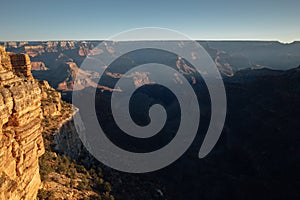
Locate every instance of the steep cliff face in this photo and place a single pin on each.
(20, 128)
(67, 140)
(23, 103)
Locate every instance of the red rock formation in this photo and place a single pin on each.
(38, 66)
(34, 51)
(21, 142)
(23, 103)
(51, 100)
(82, 78)
(21, 65)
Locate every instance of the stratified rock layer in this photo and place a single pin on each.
(21, 141)
(51, 100)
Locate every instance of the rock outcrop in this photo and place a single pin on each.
(82, 78)
(24, 102)
(38, 66)
(51, 100)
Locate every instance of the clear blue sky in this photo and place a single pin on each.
(96, 19)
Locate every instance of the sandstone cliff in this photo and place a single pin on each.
(20, 128)
(23, 103)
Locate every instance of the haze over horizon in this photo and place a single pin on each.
(34, 20)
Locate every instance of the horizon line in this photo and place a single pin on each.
(198, 40)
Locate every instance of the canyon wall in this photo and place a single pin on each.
(67, 141)
(23, 103)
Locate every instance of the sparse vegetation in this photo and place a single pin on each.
(87, 183)
(45, 195)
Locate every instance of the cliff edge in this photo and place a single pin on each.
(24, 102)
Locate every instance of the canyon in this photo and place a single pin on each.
(256, 156)
(59, 61)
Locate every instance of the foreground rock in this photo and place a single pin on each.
(24, 102)
(20, 128)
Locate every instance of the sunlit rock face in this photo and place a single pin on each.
(38, 66)
(21, 141)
